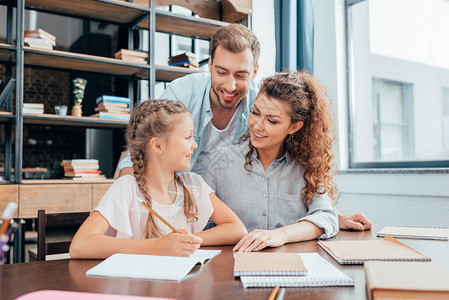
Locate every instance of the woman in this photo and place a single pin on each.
(279, 180)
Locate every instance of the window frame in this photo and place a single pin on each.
(352, 164)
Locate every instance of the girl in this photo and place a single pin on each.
(160, 142)
(279, 179)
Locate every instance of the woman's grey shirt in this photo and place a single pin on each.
(267, 199)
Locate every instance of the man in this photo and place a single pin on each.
(220, 102)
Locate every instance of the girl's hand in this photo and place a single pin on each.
(258, 239)
(179, 244)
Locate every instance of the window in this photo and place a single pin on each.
(398, 78)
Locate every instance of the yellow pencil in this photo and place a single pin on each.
(159, 217)
(273, 293)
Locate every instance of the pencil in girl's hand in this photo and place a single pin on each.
(273, 293)
(159, 217)
(8, 213)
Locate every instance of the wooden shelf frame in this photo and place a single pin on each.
(168, 22)
(81, 62)
(88, 122)
(111, 11)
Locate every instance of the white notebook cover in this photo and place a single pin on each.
(320, 272)
(150, 266)
(411, 232)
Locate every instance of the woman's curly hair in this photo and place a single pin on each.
(312, 144)
(155, 118)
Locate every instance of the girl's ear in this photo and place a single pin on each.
(294, 127)
(155, 145)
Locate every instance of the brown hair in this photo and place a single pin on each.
(235, 38)
(155, 118)
(312, 144)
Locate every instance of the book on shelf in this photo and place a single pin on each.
(184, 64)
(33, 108)
(182, 57)
(38, 43)
(134, 53)
(111, 116)
(97, 177)
(412, 232)
(150, 266)
(33, 105)
(113, 105)
(406, 280)
(360, 251)
(132, 56)
(265, 263)
(113, 99)
(113, 110)
(80, 163)
(40, 33)
(320, 272)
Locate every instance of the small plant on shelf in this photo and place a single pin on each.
(79, 85)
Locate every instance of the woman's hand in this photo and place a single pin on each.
(179, 244)
(258, 239)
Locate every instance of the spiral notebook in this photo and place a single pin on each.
(266, 263)
(320, 272)
(359, 251)
(411, 232)
(406, 280)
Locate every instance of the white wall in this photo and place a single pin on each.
(409, 198)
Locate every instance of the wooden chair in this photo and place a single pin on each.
(48, 221)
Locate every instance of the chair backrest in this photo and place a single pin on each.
(45, 221)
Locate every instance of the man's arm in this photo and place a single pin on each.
(126, 166)
(352, 222)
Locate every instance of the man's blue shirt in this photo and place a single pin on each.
(194, 92)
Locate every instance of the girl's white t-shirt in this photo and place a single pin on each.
(127, 217)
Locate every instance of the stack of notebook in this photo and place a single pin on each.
(262, 269)
(39, 38)
(132, 56)
(82, 169)
(112, 107)
(186, 60)
(33, 108)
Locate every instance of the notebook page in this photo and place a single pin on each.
(144, 267)
(320, 272)
(202, 255)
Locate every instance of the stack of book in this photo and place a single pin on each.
(39, 38)
(132, 56)
(33, 108)
(82, 169)
(112, 107)
(186, 60)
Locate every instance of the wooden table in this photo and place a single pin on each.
(214, 280)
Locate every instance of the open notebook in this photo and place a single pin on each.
(406, 280)
(411, 232)
(150, 266)
(320, 272)
(359, 251)
(266, 263)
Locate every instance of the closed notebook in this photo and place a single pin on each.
(406, 280)
(359, 251)
(265, 263)
(150, 266)
(320, 272)
(428, 233)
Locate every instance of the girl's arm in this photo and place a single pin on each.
(229, 228)
(91, 242)
(259, 239)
